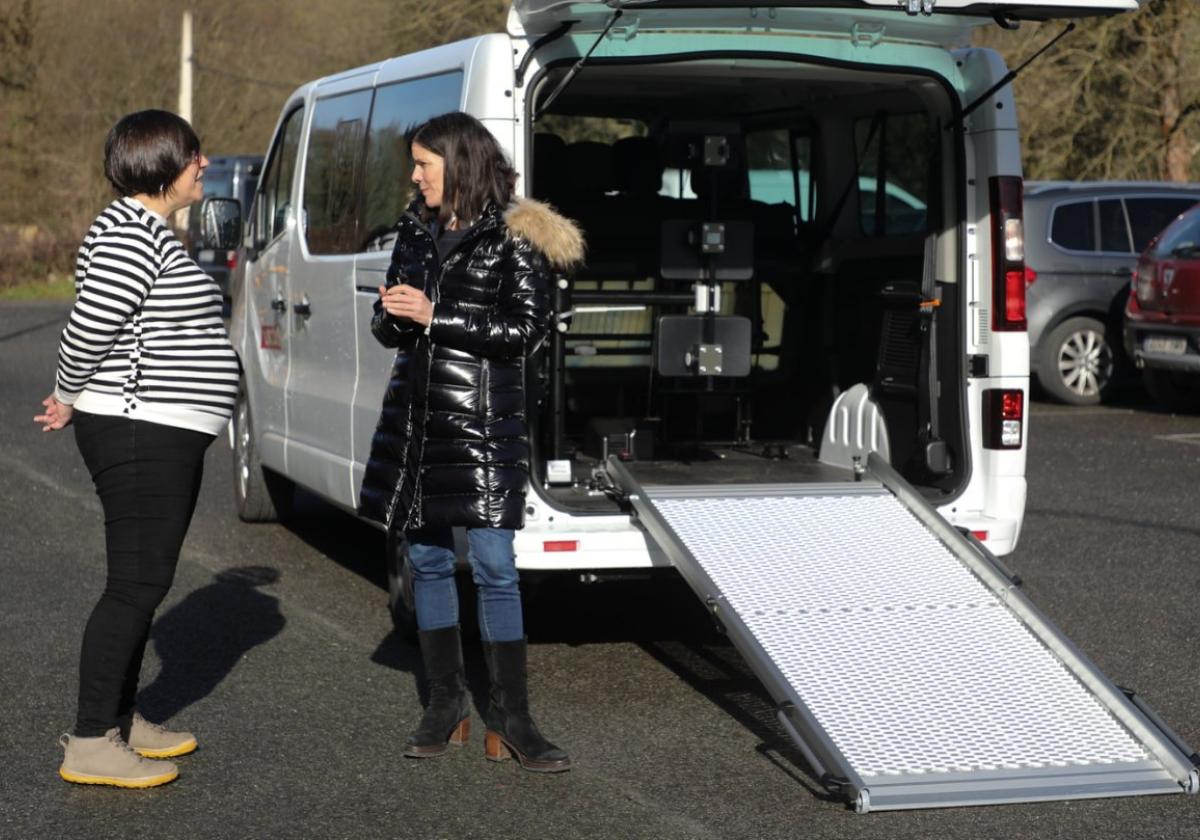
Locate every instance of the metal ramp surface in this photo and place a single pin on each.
(906, 666)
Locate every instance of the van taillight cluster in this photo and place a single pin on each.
(1003, 418)
(231, 260)
(1009, 277)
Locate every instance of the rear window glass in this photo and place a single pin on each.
(1074, 226)
(1148, 216)
(1181, 238)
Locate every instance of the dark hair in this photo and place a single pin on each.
(475, 170)
(147, 150)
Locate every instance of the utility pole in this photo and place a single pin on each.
(185, 92)
(185, 69)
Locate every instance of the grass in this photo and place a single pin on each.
(55, 287)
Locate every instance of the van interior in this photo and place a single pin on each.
(762, 235)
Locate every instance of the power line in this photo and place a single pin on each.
(207, 68)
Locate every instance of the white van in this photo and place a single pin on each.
(851, 225)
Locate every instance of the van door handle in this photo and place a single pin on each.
(303, 308)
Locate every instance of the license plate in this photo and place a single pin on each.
(206, 256)
(1168, 344)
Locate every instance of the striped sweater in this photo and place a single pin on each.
(145, 338)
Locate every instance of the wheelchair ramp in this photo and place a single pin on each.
(906, 666)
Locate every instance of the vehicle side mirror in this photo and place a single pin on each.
(220, 224)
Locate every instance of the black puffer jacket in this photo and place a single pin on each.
(452, 444)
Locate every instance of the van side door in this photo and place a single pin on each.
(265, 331)
(399, 106)
(321, 299)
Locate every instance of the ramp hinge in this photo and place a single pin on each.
(714, 609)
(919, 7)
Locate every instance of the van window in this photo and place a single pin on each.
(769, 158)
(276, 197)
(399, 108)
(1114, 233)
(803, 149)
(1148, 216)
(1073, 226)
(893, 168)
(780, 161)
(331, 171)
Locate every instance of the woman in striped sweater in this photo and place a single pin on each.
(148, 378)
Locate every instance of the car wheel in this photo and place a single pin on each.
(261, 495)
(401, 603)
(1076, 364)
(1173, 390)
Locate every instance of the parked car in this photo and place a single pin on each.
(227, 176)
(1162, 318)
(1082, 243)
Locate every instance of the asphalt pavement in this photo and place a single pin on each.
(275, 647)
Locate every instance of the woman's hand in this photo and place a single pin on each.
(57, 416)
(404, 301)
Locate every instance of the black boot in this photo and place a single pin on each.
(510, 729)
(447, 717)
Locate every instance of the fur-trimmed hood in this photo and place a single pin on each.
(558, 238)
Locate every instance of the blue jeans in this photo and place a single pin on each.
(493, 568)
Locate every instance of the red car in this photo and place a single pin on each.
(1162, 317)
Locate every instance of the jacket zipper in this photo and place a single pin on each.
(484, 376)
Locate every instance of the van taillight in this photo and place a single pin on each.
(231, 259)
(1003, 418)
(560, 545)
(1008, 254)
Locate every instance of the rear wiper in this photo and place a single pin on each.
(1012, 74)
(577, 66)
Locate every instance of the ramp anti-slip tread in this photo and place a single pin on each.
(905, 658)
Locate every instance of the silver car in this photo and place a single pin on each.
(1082, 241)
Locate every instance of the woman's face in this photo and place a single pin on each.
(427, 175)
(188, 188)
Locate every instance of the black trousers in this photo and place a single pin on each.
(148, 478)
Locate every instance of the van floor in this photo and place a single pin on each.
(794, 464)
(790, 464)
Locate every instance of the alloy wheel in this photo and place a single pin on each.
(1085, 362)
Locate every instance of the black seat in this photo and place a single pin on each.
(549, 167)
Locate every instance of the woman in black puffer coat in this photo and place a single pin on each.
(466, 304)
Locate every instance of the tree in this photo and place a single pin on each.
(1118, 98)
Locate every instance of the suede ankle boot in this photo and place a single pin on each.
(510, 728)
(108, 760)
(447, 717)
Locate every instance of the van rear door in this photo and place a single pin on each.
(537, 16)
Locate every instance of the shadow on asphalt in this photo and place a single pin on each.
(661, 615)
(343, 538)
(202, 638)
